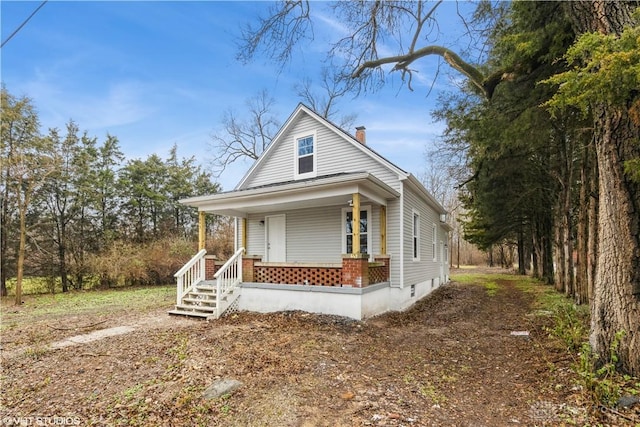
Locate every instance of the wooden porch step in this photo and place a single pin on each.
(191, 314)
(197, 293)
(196, 308)
(199, 300)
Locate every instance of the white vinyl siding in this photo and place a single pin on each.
(315, 235)
(333, 155)
(393, 240)
(417, 271)
(255, 235)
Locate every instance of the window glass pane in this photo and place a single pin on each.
(364, 225)
(363, 244)
(305, 164)
(305, 146)
(415, 247)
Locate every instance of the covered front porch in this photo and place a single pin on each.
(325, 231)
(317, 234)
(355, 270)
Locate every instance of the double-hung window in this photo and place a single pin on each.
(347, 231)
(305, 156)
(416, 236)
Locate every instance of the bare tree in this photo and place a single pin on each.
(248, 137)
(245, 138)
(372, 29)
(325, 103)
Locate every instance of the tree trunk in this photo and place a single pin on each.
(616, 298)
(4, 219)
(592, 242)
(545, 231)
(522, 269)
(534, 261)
(21, 251)
(587, 198)
(62, 252)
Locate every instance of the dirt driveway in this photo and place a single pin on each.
(452, 360)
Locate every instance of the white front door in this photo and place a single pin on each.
(276, 238)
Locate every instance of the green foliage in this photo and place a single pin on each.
(140, 299)
(569, 325)
(632, 169)
(538, 34)
(491, 288)
(600, 381)
(79, 199)
(605, 69)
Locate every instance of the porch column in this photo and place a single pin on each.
(211, 266)
(248, 267)
(355, 225)
(244, 234)
(355, 270)
(383, 230)
(202, 229)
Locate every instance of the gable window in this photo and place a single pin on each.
(416, 236)
(305, 156)
(434, 240)
(348, 227)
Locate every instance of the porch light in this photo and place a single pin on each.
(350, 203)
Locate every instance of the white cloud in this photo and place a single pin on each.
(118, 104)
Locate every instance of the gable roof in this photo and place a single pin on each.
(302, 109)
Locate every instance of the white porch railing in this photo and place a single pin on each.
(189, 275)
(227, 278)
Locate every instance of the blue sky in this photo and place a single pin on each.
(158, 73)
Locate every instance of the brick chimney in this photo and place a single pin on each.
(361, 135)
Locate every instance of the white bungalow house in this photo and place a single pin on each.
(298, 246)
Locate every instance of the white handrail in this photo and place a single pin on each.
(191, 262)
(192, 273)
(227, 278)
(228, 263)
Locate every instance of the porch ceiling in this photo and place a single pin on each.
(322, 191)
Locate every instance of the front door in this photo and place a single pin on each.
(275, 238)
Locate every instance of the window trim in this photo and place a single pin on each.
(415, 236)
(343, 215)
(314, 172)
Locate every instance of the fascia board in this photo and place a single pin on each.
(417, 185)
(239, 201)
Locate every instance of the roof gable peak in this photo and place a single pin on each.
(291, 122)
